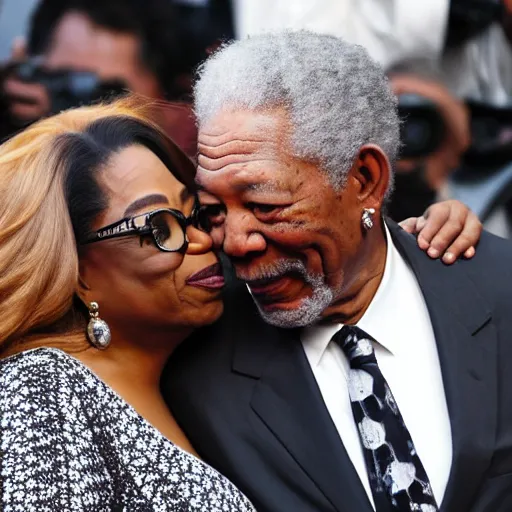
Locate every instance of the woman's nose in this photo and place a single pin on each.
(198, 241)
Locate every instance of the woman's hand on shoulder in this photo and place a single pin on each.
(446, 230)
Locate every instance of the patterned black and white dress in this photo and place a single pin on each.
(68, 442)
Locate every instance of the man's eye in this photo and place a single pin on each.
(213, 210)
(211, 215)
(263, 209)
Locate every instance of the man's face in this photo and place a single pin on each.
(294, 239)
(79, 44)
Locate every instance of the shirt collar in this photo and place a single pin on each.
(316, 338)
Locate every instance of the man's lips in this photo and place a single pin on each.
(209, 277)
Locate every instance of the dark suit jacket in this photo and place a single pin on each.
(245, 395)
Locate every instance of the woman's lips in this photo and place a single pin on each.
(210, 277)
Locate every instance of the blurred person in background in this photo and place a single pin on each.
(477, 64)
(435, 133)
(465, 42)
(207, 24)
(79, 50)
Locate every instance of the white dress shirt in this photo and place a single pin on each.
(407, 356)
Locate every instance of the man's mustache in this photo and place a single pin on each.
(273, 271)
(279, 269)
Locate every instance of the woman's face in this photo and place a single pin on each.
(136, 285)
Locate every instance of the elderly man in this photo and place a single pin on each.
(350, 372)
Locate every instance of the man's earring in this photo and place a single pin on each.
(367, 218)
(98, 330)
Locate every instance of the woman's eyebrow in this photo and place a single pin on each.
(143, 202)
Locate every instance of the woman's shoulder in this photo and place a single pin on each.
(37, 366)
(43, 375)
(36, 356)
(44, 393)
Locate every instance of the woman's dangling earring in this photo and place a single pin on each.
(367, 218)
(98, 330)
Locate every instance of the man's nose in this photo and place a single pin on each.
(239, 241)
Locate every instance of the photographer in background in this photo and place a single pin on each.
(465, 43)
(477, 58)
(435, 135)
(81, 50)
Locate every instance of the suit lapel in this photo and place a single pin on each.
(467, 347)
(288, 401)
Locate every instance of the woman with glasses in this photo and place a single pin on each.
(104, 270)
(100, 249)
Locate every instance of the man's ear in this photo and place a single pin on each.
(372, 173)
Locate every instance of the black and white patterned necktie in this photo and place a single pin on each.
(397, 477)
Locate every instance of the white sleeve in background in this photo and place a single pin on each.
(482, 68)
(393, 31)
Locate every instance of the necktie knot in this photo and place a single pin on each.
(356, 344)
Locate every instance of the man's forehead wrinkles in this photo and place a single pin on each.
(225, 152)
(214, 163)
(234, 146)
(233, 165)
(229, 137)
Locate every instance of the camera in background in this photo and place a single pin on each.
(422, 132)
(422, 128)
(491, 130)
(69, 88)
(66, 88)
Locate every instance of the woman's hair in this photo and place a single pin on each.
(49, 198)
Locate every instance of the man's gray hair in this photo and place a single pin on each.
(337, 97)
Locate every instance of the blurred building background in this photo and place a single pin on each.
(449, 62)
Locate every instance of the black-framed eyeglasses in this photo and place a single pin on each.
(166, 226)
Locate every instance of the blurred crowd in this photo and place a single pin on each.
(449, 62)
